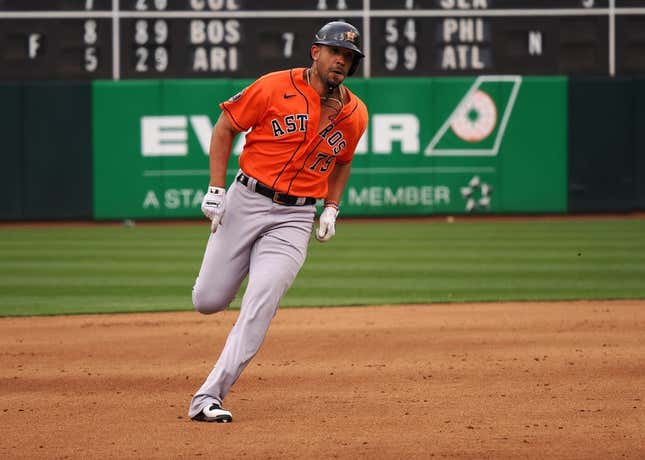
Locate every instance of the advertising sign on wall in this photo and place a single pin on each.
(489, 144)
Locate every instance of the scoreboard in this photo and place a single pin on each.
(135, 39)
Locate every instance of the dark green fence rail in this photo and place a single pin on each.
(46, 150)
(606, 144)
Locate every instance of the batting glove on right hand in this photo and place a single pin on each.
(213, 205)
(327, 224)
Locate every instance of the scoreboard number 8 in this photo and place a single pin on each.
(90, 35)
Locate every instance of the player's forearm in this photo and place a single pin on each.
(220, 151)
(337, 181)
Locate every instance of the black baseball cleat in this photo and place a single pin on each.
(214, 413)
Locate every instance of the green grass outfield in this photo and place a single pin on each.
(109, 268)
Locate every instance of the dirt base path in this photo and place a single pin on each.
(527, 380)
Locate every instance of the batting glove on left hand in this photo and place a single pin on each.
(327, 224)
(213, 205)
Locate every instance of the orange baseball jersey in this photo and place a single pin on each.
(284, 149)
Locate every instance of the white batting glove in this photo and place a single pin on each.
(327, 224)
(213, 205)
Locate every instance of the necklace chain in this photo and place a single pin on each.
(340, 101)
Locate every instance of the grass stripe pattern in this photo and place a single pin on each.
(107, 268)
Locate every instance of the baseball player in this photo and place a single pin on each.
(304, 127)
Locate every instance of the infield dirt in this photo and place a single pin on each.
(492, 380)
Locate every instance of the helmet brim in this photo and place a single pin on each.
(341, 44)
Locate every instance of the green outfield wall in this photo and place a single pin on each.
(138, 149)
(433, 146)
(45, 150)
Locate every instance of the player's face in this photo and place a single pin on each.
(333, 63)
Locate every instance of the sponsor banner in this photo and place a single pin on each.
(433, 146)
(151, 142)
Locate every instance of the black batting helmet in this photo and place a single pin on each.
(343, 35)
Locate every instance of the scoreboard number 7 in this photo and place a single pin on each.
(288, 38)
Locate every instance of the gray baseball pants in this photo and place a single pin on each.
(266, 241)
